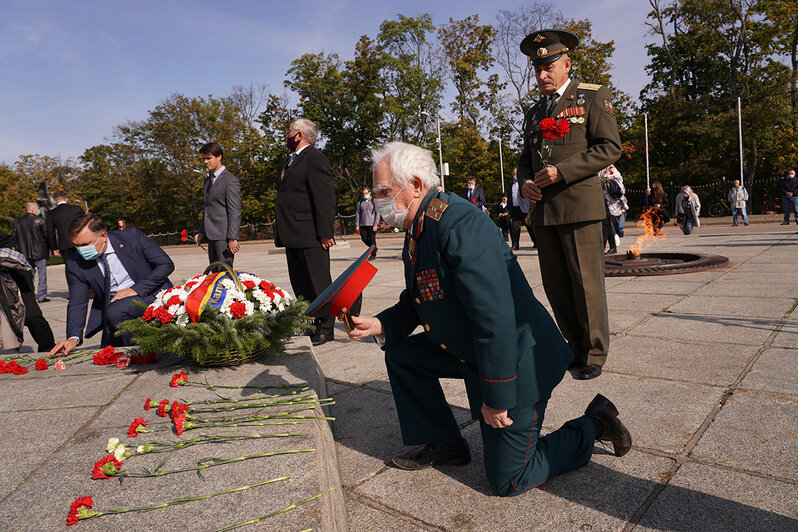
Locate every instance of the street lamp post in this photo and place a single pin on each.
(440, 146)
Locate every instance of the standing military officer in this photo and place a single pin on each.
(570, 203)
(510, 356)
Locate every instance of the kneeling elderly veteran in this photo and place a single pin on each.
(460, 277)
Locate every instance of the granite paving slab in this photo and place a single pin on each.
(622, 320)
(715, 499)
(668, 284)
(753, 307)
(788, 335)
(700, 328)
(721, 287)
(753, 420)
(364, 517)
(648, 303)
(694, 362)
(776, 370)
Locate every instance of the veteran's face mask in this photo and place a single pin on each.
(387, 209)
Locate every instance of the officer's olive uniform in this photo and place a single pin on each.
(567, 220)
(482, 324)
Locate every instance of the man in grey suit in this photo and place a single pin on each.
(221, 219)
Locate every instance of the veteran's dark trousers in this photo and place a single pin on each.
(516, 458)
(572, 267)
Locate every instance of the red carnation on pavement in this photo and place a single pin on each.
(106, 467)
(179, 410)
(162, 407)
(41, 365)
(148, 404)
(76, 506)
(238, 309)
(249, 285)
(137, 426)
(106, 356)
(12, 367)
(178, 379)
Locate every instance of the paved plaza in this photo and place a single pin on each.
(702, 366)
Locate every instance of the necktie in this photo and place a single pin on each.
(210, 182)
(106, 280)
(291, 159)
(552, 102)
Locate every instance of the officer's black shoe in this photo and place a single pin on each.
(319, 338)
(585, 371)
(785, 223)
(602, 410)
(435, 454)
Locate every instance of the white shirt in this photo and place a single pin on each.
(120, 278)
(216, 175)
(559, 92)
(515, 191)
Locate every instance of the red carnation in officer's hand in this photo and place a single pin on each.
(563, 127)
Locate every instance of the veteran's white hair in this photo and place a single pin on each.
(307, 127)
(407, 161)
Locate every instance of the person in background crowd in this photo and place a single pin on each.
(615, 198)
(30, 234)
(58, 220)
(119, 268)
(789, 191)
(737, 198)
(121, 224)
(367, 220)
(608, 230)
(16, 281)
(657, 200)
(304, 219)
(519, 208)
(221, 218)
(475, 194)
(688, 208)
(503, 213)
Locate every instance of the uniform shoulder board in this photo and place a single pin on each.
(589, 86)
(436, 209)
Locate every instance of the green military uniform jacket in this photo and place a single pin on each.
(466, 289)
(593, 143)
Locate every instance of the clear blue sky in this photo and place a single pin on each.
(71, 71)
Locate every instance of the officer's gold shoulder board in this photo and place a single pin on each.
(436, 208)
(589, 86)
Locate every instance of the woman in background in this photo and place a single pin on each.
(688, 208)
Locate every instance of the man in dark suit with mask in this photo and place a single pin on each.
(304, 219)
(474, 194)
(119, 267)
(221, 218)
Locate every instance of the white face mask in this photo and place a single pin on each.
(470, 187)
(387, 209)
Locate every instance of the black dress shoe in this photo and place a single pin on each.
(585, 371)
(785, 223)
(435, 454)
(319, 338)
(45, 300)
(602, 410)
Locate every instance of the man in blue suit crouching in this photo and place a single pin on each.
(120, 267)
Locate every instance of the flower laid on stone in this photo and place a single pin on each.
(186, 382)
(278, 512)
(116, 448)
(41, 365)
(12, 367)
(81, 508)
(219, 319)
(108, 356)
(178, 379)
(138, 425)
(60, 365)
(106, 467)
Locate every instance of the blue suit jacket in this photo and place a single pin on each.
(145, 262)
(466, 287)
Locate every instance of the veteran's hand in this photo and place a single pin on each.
(498, 419)
(548, 176)
(327, 243)
(63, 347)
(233, 246)
(364, 326)
(531, 191)
(122, 294)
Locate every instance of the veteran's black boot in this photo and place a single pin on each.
(435, 454)
(602, 410)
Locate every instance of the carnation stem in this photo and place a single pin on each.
(184, 500)
(203, 463)
(287, 508)
(266, 387)
(165, 447)
(281, 402)
(287, 414)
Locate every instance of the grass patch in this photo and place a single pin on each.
(728, 393)
(666, 476)
(794, 304)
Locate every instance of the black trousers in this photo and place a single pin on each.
(119, 311)
(516, 221)
(369, 236)
(309, 271)
(219, 252)
(34, 319)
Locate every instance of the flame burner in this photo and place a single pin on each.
(659, 263)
